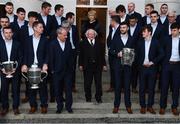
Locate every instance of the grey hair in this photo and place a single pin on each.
(95, 33)
(60, 30)
(66, 24)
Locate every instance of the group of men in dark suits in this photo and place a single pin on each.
(51, 43)
(41, 42)
(155, 39)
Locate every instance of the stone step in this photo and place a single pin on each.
(91, 113)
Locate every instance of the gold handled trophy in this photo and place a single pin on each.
(9, 68)
(35, 76)
(128, 56)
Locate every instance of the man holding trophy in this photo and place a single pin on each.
(34, 63)
(10, 58)
(123, 52)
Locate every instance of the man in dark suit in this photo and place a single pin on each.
(10, 51)
(171, 19)
(25, 32)
(122, 72)
(36, 55)
(135, 32)
(158, 29)
(121, 11)
(46, 19)
(178, 19)
(61, 62)
(17, 24)
(163, 15)
(74, 40)
(113, 32)
(171, 70)
(148, 9)
(131, 10)
(9, 8)
(92, 62)
(4, 22)
(58, 18)
(149, 54)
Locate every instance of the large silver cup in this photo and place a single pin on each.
(34, 76)
(9, 67)
(128, 56)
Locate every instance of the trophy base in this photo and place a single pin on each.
(9, 76)
(34, 87)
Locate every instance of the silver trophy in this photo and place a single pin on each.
(9, 68)
(35, 76)
(128, 56)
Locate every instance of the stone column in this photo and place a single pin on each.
(174, 5)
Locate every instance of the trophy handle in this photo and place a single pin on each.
(46, 74)
(16, 63)
(23, 74)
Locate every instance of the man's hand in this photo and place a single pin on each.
(81, 68)
(45, 68)
(104, 68)
(24, 68)
(119, 54)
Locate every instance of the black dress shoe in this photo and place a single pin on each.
(70, 111)
(59, 111)
(88, 100)
(99, 101)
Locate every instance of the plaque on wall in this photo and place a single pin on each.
(83, 2)
(100, 2)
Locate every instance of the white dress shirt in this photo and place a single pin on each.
(30, 30)
(132, 29)
(71, 39)
(114, 31)
(154, 26)
(62, 44)
(93, 41)
(35, 47)
(175, 49)
(148, 20)
(20, 23)
(11, 17)
(169, 29)
(44, 18)
(58, 18)
(123, 18)
(147, 47)
(163, 18)
(124, 38)
(8, 48)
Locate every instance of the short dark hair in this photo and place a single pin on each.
(115, 18)
(120, 8)
(164, 4)
(57, 7)
(133, 16)
(20, 9)
(151, 5)
(124, 23)
(4, 16)
(36, 23)
(9, 4)
(148, 28)
(69, 15)
(8, 27)
(45, 5)
(154, 12)
(33, 14)
(174, 25)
